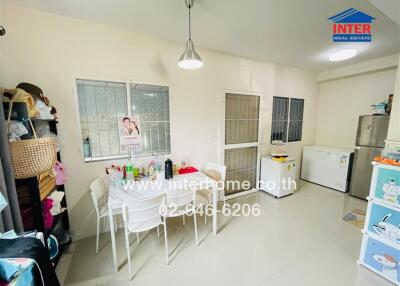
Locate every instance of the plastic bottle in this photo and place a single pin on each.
(86, 148)
(129, 168)
(157, 164)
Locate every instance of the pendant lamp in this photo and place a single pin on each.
(190, 59)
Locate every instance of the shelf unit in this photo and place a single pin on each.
(380, 249)
(29, 191)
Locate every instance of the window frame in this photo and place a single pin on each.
(295, 120)
(127, 84)
(288, 120)
(285, 120)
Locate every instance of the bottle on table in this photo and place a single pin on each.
(129, 168)
(169, 172)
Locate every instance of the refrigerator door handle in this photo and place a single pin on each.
(357, 147)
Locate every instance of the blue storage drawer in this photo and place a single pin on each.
(382, 258)
(385, 184)
(383, 222)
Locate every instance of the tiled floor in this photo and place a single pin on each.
(297, 240)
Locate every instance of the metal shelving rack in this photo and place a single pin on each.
(28, 189)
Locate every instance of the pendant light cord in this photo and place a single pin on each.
(190, 25)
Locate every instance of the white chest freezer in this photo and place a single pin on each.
(327, 166)
(278, 178)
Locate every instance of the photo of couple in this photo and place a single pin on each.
(129, 127)
(129, 133)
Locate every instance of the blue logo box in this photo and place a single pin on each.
(351, 37)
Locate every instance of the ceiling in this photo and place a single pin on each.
(289, 32)
(390, 7)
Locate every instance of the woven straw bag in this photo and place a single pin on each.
(31, 157)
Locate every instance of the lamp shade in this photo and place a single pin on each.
(3, 202)
(190, 58)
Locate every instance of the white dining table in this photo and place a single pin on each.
(118, 195)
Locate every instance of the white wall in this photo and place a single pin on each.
(51, 51)
(394, 124)
(342, 101)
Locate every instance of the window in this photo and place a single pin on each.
(280, 109)
(287, 119)
(151, 103)
(102, 103)
(295, 119)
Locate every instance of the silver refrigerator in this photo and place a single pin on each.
(370, 141)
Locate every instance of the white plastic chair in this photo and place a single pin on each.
(99, 192)
(143, 215)
(221, 169)
(181, 203)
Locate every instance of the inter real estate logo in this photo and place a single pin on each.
(352, 25)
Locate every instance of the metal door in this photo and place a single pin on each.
(362, 171)
(241, 142)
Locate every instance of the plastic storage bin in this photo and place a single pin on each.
(385, 184)
(382, 258)
(380, 249)
(383, 222)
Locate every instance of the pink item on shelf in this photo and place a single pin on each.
(48, 219)
(61, 176)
